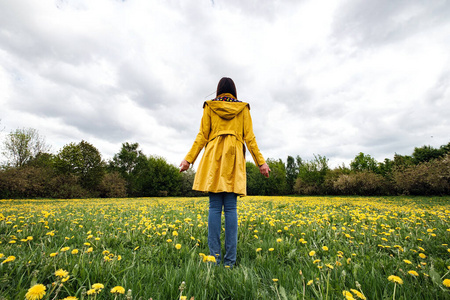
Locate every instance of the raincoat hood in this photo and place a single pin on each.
(226, 110)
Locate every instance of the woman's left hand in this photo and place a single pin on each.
(184, 165)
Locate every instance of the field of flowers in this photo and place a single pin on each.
(289, 248)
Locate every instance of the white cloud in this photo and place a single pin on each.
(330, 79)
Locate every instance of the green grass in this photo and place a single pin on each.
(367, 240)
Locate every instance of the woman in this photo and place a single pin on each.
(226, 124)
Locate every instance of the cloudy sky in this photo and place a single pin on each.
(333, 78)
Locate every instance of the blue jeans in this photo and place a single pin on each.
(228, 201)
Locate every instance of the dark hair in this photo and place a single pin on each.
(226, 85)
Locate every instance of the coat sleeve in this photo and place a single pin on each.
(250, 139)
(202, 136)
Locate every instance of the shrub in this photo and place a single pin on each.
(362, 183)
(428, 178)
(24, 182)
(67, 186)
(113, 186)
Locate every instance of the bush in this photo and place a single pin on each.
(362, 183)
(67, 186)
(24, 182)
(303, 187)
(428, 178)
(113, 186)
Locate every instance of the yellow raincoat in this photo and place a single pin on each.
(224, 128)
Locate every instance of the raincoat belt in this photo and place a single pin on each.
(226, 132)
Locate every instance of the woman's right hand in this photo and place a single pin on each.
(184, 165)
(264, 169)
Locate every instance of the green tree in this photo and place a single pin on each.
(82, 160)
(385, 168)
(311, 175)
(291, 174)
(159, 178)
(132, 165)
(363, 162)
(256, 183)
(276, 182)
(402, 160)
(426, 153)
(22, 145)
(187, 180)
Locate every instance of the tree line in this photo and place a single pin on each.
(78, 171)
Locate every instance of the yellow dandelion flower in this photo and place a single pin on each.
(348, 295)
(325, 248)
(70, 298)
(395, 279)
(358, 294)
(119, 257)
(118, 290)
(98, 286)
(169, 240)
(36, 292)
(75, 251)
(329, 266)
(279, 240)
(53, 254)
(175, 233)
(275, 279)
(178, 246)
(210, 258)
(413, 273)
(312, 253)
(446, 282)
(310, 282)
(407, 261)
(61, 273)
(423, 256)
(258, 249)
(91, 292)
(65, 249)
(87, 244)
(8, 259)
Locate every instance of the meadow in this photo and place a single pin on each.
(289, 248)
